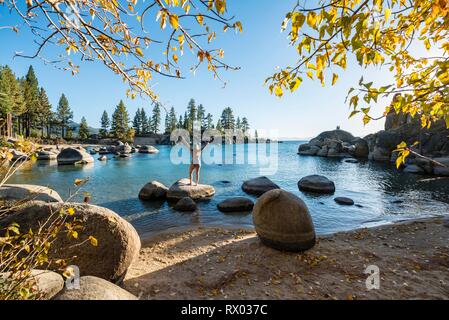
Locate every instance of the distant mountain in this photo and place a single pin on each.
(75, 126)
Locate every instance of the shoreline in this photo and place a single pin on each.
(231, 263)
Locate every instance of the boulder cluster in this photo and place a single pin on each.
(101, 266)
(433, 145)
(181, 195)
(335, 144)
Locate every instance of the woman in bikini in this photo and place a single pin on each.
(195, 158)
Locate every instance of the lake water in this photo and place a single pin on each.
(385, 194)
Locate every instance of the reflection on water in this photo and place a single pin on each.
(381, 193)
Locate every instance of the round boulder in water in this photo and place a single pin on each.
(236, 204)
(283, 222)
(316, 184)
(344, 201)
(153, 190)
(185, 204)
(182, 188)
(74, 156)
(258, 186)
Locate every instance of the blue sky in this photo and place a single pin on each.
(257, 51)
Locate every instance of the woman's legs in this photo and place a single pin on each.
(191, 172)
(198, 168)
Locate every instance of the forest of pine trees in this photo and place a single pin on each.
(26, 110)
(25, 107)
(144, 124)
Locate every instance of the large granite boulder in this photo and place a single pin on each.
(316, 184)
(46, 155)
(323, 151)
(74, 156)
(123, 148)
(236, 204)
(361, 148)
(118, 243)
(93, 288)
(311, 151)
(259, 186)
(153, 190)
(14, 192)
(380, 154)
(185, 205)
(182, 188)
(148, 149)
(282, 221)
(303, 147)
(45, 284)
(338, 135)
(48, 283)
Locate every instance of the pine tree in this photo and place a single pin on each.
(63, 114)
(180, 124)
(201, 116)
(167, 124)
(145, 122)
(218, 126)
(83, 132)
(137, 122)
(227, 119)
(245, 124)
(172, 119)
(186, 121)
(156, 118)
(31, 98)
(8, 88)
(120, 119)
(44, 113)
(105, 124)
(238, 124)
(209, 121)
(192, 115)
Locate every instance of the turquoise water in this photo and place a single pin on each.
(384, 194)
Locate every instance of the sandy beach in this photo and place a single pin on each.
(219, 263)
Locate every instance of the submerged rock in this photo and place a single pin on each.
(283, 222)
(259, 186)
(153, 190)
(236, 204)
(344, 201)
(93, 288)
(28, 192)
(182, 188)
(118, 243)
(317, 184)
(351, 160)
(185, 204)
(103, 158)
(74, 156)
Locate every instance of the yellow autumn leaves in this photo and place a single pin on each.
(374, 33)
